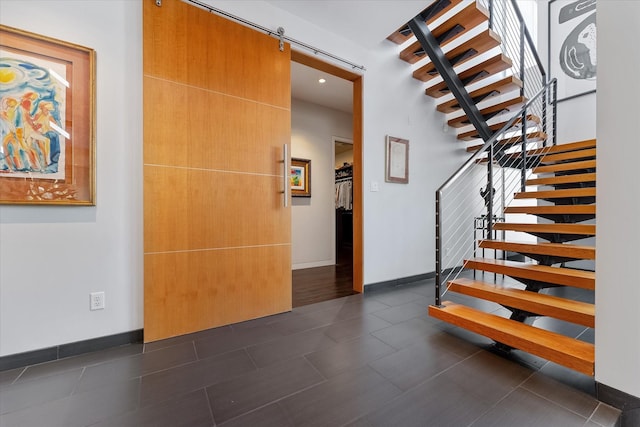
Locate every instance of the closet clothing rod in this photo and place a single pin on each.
(277, 34)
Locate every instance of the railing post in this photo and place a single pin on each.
(523, 170)
(490, 193)
(554, 101)
(491, 14)
(438, 248)
(544, 109)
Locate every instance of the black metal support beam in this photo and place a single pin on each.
(444, 67)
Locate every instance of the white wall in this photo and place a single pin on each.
(313, 218)
(52, 257)
(618, 208)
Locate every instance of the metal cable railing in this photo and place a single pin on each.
(475, 197)
(486, 184)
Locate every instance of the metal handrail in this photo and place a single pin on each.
(488, 147)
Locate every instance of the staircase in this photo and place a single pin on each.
(511, 223)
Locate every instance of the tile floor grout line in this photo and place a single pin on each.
(24, 369)
(213, 418)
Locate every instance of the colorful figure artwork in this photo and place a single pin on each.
(32, 117)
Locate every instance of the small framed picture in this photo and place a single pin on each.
(397, 163)
(300, 177)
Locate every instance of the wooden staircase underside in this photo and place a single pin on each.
(567, 173)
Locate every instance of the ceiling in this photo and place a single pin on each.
(364, 22)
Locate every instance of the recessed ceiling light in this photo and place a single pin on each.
(321, 81)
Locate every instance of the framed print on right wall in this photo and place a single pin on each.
(572, 47)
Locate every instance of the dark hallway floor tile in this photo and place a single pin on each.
(340, 400)
(404, 334)
(355, 327)
(230, 399)
(136, 366)
(525, 409)
(563, 395)
(24, 394)
(269, 416)
(8, 377)
(180, 380)
(78, 410)
(189, 410)
(229, 339)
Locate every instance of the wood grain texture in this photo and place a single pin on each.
(217, 237)
(191, 291)
(187, 126)
(553, 249)
(563, 179)
(399, 38)
(556, 275)
(574, 354)
(469, 17)
(214, 53)
(569, 155)
(536, 136)
(200, 209)
(480, 43)
(561, 228)
(563, 167)
(483, 70)
(554, 209)
(508, 105)
(568, 310)
(532, 121)
(501, 86)
(557, 194)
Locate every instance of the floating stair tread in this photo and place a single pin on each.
(552, 228)
(469, 17)
(553, 209)
(569, 155)
(542, 273)
(563, 179)
(551, 249)
(560, 167)
(531, 138)
(481, 43)
(501, 86)
(557, 194)
(564, 148)
(403, 34)
(574, 354)
(532, 120)
(485, 69)
(496, 108)
(578, 312)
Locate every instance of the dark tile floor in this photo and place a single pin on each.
(364, 360)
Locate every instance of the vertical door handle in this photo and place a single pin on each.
(285, 174)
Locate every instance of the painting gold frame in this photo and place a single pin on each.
(300, 177)
(47, 100)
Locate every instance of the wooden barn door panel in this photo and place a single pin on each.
(217, 237)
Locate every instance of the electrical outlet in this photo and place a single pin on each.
(96, 301)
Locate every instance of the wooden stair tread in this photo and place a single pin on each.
(542, 273)
(531, 137)
(485, 69)
(553, 209)
(552, 249)
(564, 148)
(569, 352)
(501, 86)
(557, 194)
(480, 43)
(560, 167)
(578, 312)
(569, 155)
(554, 228)
(563, 179)
(469, 17)
(504, 105)
(532, 120)
(403, 34)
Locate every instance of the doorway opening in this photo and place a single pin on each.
(340, 272)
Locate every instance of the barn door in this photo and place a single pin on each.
(217, 233)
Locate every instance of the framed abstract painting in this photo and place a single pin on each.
(572, 46)
(47, 120)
